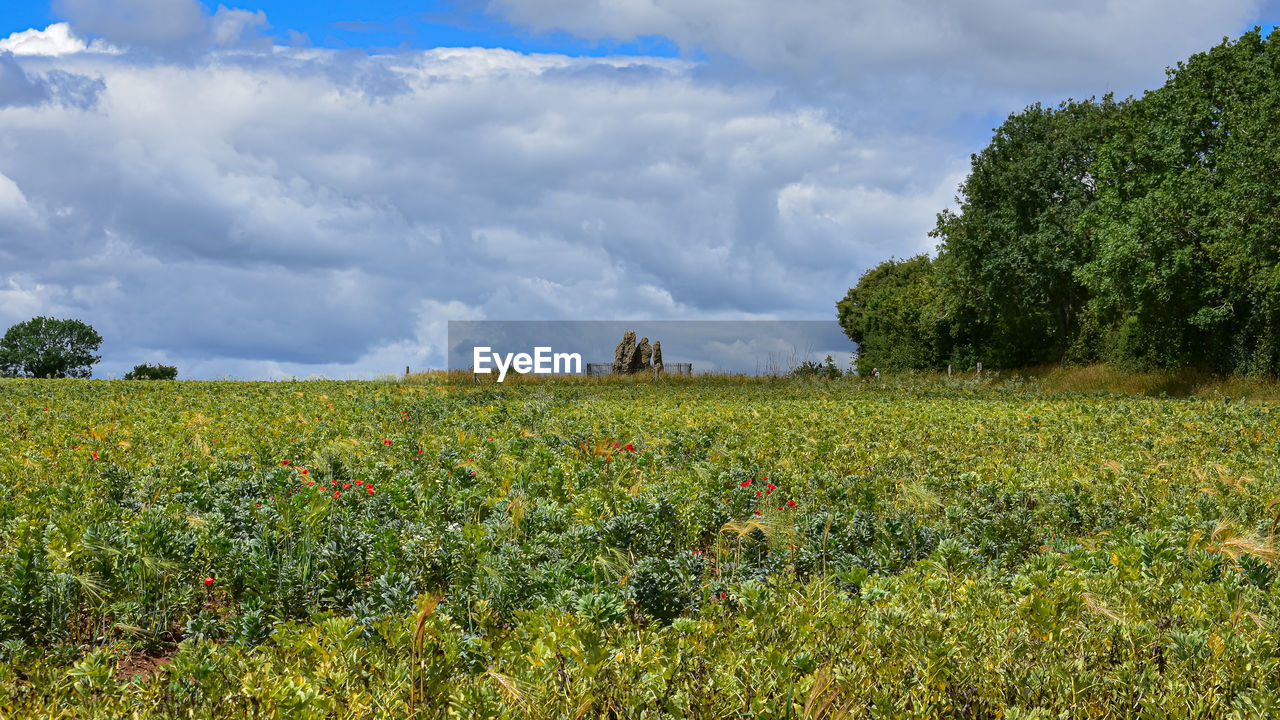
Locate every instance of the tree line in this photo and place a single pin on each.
(1144, 233)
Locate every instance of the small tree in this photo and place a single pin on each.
(152, 372)
(45, 347)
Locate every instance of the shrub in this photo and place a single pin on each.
(152, 372)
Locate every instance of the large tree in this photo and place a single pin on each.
(1007, 259)
(1186, 268)
(45, 347)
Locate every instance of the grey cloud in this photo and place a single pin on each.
(16, 88)
(163, 25)
(991, 47)
(20, 87)
(169, 28)
(266, 214)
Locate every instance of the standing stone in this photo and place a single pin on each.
(624, 354)
(643, 354)
(657, 355)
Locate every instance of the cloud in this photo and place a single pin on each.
(993, 46)
(16, 88)
(170, 28)
(290, 209)
(56, 39)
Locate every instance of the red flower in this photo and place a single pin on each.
(386, 442)
(73, 447)
(791, 503)
(371, 490)
(346, 486)
(208, 581)
(284, 462)
(772, 486)
(757, 512)
(304, 471)
(338, 493)
(758, 493)
(95, 454)
(359, 482)
(745, 483)
(630, 447)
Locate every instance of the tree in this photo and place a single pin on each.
(1186, 265)
(891, 314)
(45, 347)
(152, 372)
(1007, 260)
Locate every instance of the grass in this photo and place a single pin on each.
(1065, 544)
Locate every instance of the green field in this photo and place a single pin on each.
(767, 549)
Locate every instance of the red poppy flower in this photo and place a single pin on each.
(757, 512)
(346, 486)
(208, 581)
(371, 490)
(337, 493)
(791, 503)
(758, 493)
(95, 454)
(305, 472)
(284, 462)
(73, 447)
(386, 442)
(745, 483)
(630, 447)
(359, 482)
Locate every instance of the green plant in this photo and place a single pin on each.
(146, 371)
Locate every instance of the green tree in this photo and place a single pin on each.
(145, 371)
(1007, 259)
(891, 315)
(1186, 269)
(45, 347)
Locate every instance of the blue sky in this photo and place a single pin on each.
(209, 195)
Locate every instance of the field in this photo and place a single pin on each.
(703, 548)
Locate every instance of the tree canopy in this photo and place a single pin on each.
(45, 347)
(1145, 233)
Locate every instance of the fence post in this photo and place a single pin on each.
(948, 369)
(979, 369)
(406, 371)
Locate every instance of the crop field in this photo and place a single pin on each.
(701, 548)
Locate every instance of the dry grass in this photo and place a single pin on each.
(1091, 379)
(1181, 383)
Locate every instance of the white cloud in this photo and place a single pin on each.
(53, 40)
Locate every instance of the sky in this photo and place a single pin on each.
(288, 189)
